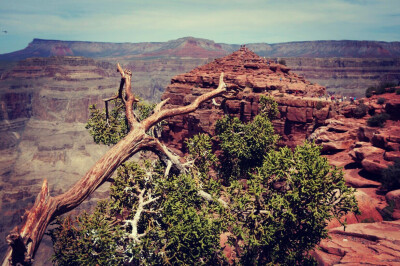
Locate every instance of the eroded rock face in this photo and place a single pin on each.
(349, 76)
(374, 148)
(252, 76)
(362, 243)
(367, 152)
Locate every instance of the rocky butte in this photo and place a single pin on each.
(252, 76)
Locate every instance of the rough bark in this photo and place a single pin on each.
(25, 238)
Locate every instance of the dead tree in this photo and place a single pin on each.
(24, 239)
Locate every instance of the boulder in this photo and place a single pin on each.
(366, 133)
(353, 179)
(365, 150)
(374, 166)
(339, 134)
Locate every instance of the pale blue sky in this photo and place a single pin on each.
(227, 21)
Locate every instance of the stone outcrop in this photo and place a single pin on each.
(362, 243)
(374, 148)
(252, 76)
(367, 152)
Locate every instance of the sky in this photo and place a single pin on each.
(223, 21)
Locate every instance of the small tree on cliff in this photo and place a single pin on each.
(276, 215)
(25, 238)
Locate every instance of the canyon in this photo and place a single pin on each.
(44, 105)
(43, 110)
(346, 67)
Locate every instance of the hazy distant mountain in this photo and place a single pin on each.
(202, 48)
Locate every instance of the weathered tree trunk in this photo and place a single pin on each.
(25, 238)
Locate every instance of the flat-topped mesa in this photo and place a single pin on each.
(252, 76)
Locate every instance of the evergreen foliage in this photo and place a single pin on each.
(282, 62)
(380, 89)
(243, 145)
(391, 176)
(360, 111)
(381, 100)
(110, 131)
(178, 228)
(268, 107)
(378, 120)
(89, 239)
(290, 198)
(319, 105)
(278, 202)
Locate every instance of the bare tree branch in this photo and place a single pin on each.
(160, 105)
(164, 114)
(215, 103)
(209, 198)
(134, 222)
(126, 75)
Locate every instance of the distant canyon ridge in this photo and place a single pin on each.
(346, 67)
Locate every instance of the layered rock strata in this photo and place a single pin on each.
(43, 107)
(347, 76)
(347, 67)
(365, 151)
(251, 76)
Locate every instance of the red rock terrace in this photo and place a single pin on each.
(252, 76)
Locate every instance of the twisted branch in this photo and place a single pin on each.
(25, 238)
